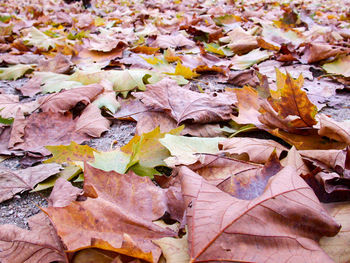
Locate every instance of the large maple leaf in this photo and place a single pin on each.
(281, 225)
(117, 215)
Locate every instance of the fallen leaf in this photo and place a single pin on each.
(339, 66)
(127, 204)
(185, 105)
(31, 87)
(63, 193)
(59, 64)
(186, 72)
(70, 153)
(13, 182)
(48, 128)
(337, 247)
(91, 122)
(172, 41)
(241, 42)
(17, 130)
(115, 160)
(246, 61)
(10, 105)
(314, 52)
(14, 72)
(39, 244)
(287, 213)
(38, 39)
(67, 99)
(186, 150)
(258, 150)
(339, 131)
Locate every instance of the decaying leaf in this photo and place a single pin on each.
(339, 67)
(13, 182)
(187, 106)
(63, 193)
(287, 214)
(128, 204)
(40, 244)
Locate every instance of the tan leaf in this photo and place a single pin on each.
(91, 122)
(40, 244)
(59, 64)
(172, 41)
(186, 105)
(9, 105)
(63, 193)
(17, 130)
(13, 182)
(241, 41)
(258, 150)
(283, 224)
(117, 216)
(339, 131)
(314, 52)
(67, 99)
(338, 247)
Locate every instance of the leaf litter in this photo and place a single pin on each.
(199, 131)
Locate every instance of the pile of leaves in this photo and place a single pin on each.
(242, 167)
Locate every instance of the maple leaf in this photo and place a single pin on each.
(314, 52)
(187, 106)
(127, 204)
(63, 193)
(339, 66)
(14, 72)
(185, 150)
(66, 100)
(10, 105)
(147, 151)
(241, 42)
(172, 41)
(38, 39)
(59, 64)
(246, 61)
(258, 150)
(339, 131)
(13, 182)
(70, 153)
(285, 211)
(186, 72)
(291, 103)
(115, 160)
(145, 50)
(336, 247)
(39, 244)
(48, 128)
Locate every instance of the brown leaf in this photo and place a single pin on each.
(17, 130)
(91, 122)
(31, 87)
(283, 224)
(241, 42)
(339, 131)
(67, 99)
(63, 193)
(13, 182)
(48, 128)
(38, 245)
(258, 150)
(148, 121)
(314, 52)
(58, 64)
(172, 41)
(9, 105)
(185, 105)
(116, 216)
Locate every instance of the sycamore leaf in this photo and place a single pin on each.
(13, 182)
(53, 82)
(70, 153)
(184, 71)
(314, 52)
(186, 105)
(241, 42)
(128, 205)
(63, 193)
(38, 39)
(258, 150)
(91, 122)
(145, 50)
(185, 150)
(339, 131)
(172, 41)
(14, 72)
(67, 174)
(107, 100)
(38, 245)
(115, 160)
(246, 61)
(175, 250)
(339, 67)
(224, 228)
(10, 105)
(66, 100)
(292, 102)
(216, 49)
(147, 151)
(48, 128)
(338, 247)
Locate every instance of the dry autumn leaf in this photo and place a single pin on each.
(287, 214)
(118, 216)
